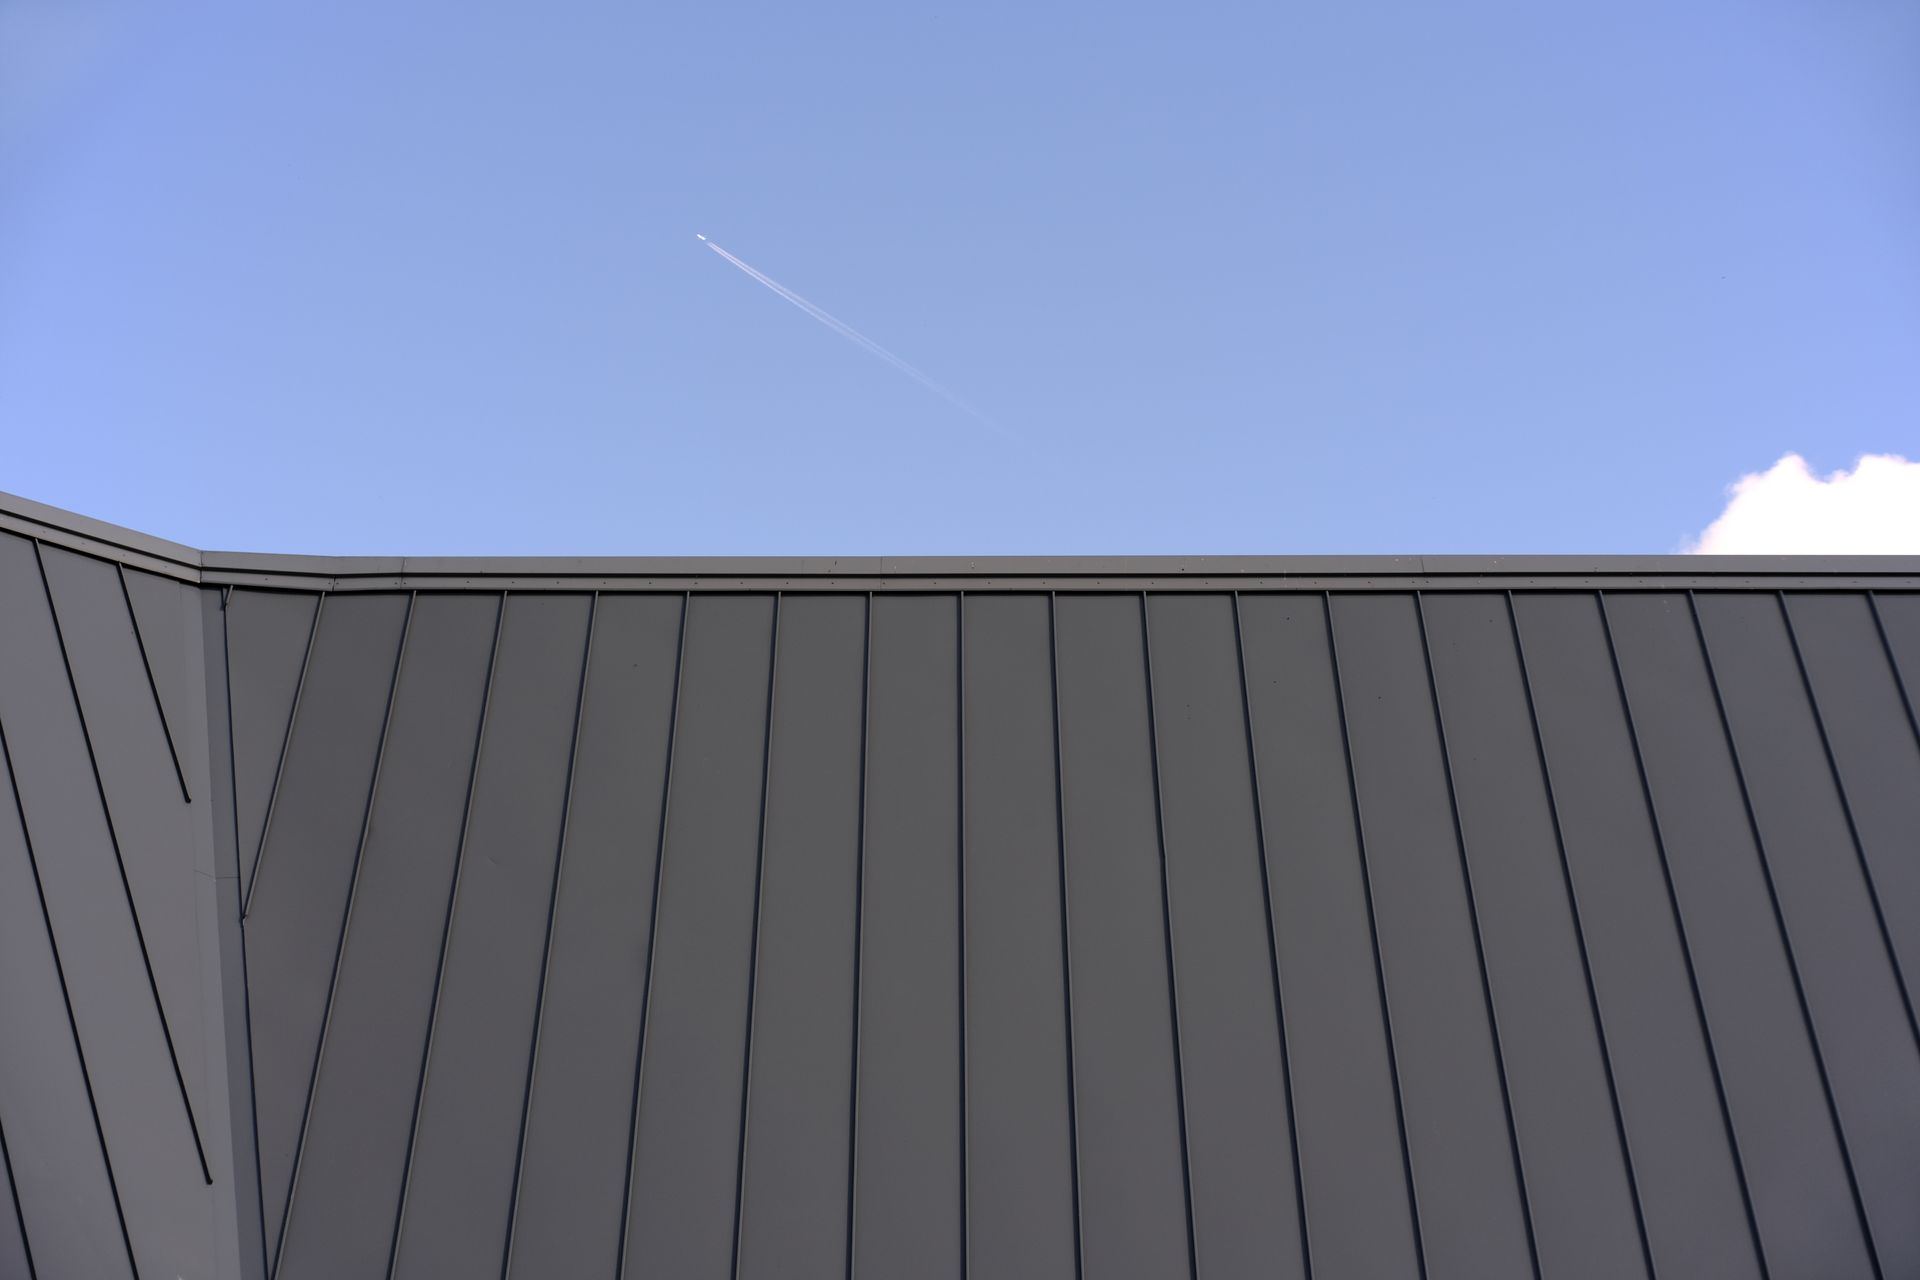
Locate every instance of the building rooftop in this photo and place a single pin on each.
(1210, 916)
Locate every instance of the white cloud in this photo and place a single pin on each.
(1873, 509)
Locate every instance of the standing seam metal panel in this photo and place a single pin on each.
(240, 1201)
(1776, 1086)
(1833, 924)
(14, 1256)
(351, 1164)
(1861, 712)
(1359, 1206)
(1693, 1190)
(1555, 933)
(573, 1170)
(270, 637)
(1897, 617)
(910, 1179)
(1474, 1209)
(1133, 1201)
(1020, 1139)
(300, 887)
(1238, 1128)
(95, 927)
(57, 1149)
(142, 799)
(1584, 1203)
(149, 601)
(458, 1195)
(794, 1178)
(686, 1133)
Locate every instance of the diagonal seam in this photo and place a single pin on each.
(340, 946)
(153, 686)
(1580, 938)
(13, 1196)
(1786, 937)
(1066, 942)
(753, 957)
(446, 935)
(1680, 927)
(859, 954)
(119, 860)
(653, 932)
(286, 743)
(1166, 924)
(1479, 942)
(1853, 827)
(546, 956)
(66, 1000)
(1373, 932)
(1273, 940)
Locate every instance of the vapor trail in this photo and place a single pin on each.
(861, 340)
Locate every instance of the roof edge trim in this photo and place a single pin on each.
(97, 538)
(944, 573)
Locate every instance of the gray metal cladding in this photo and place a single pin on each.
(269, 639)
(1453, 928)
(1445, 1036)
(684, 1162)
(111, 881)
(363, 1083)
(304, 874)
(1770, 1065)
(1857, 1001)
(1022, 1207)
(909, 1101)
(571, 1196)
(1239, 1137)
(1135, 1216)
(458, 1193)
(56, 1163)
(143, 791)
(1581, 1196)
(1355, 1182)
(1863, 717)
(796, 1154)
(13, 1239)
(1692, 1190)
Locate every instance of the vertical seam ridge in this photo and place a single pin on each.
(280, 764)
(153, 685)
(120, 863)
(753, 956)
(1066, 932)
(1580, 941)
(1780, 923)
(446, 940)
(1680, 933)
(1273, 942)
(1166, 924)
(1479, 941)
(546, 950)
(1373, 934)
(66, 1000)
(340, 946)
(653, 933)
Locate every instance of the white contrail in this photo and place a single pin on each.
(860, 340)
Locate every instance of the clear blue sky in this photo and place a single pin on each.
(1261, 276)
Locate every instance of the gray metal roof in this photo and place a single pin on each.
(1368, 917)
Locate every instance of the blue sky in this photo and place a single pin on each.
(1242, 277)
